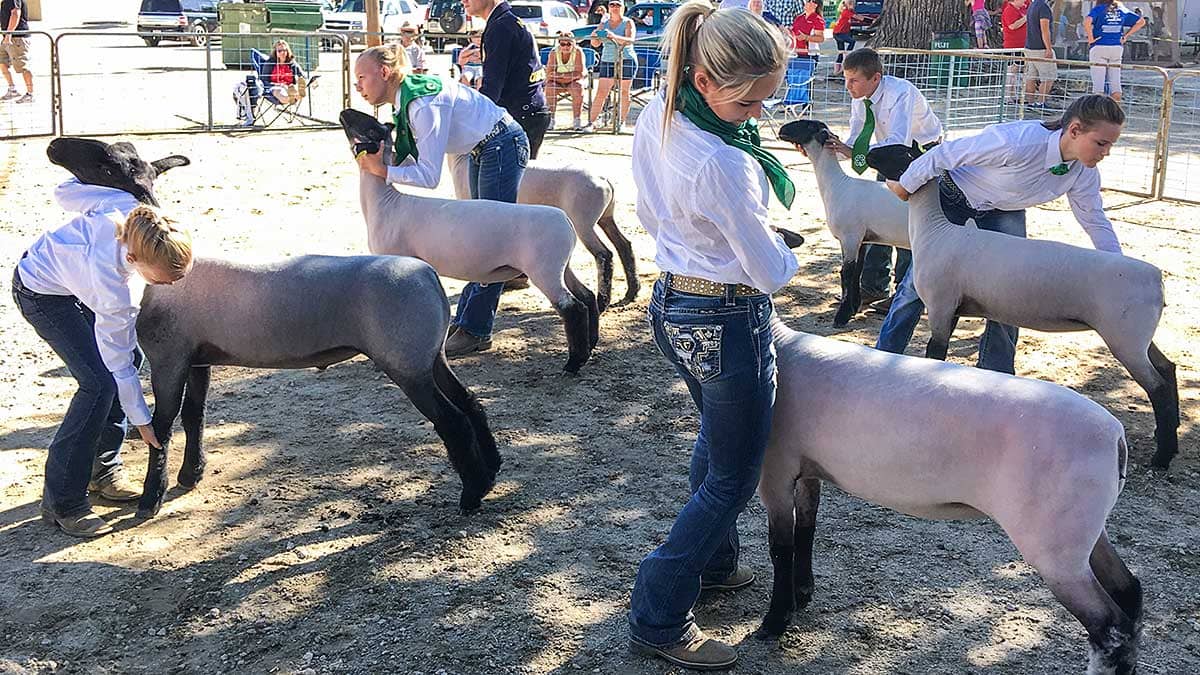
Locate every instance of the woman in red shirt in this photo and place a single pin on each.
(1012, 24)
(808, 28)
(281, 76)
(842, 34)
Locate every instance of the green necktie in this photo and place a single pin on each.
(1060, 169)
(862, 144)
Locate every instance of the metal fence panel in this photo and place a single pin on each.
(33, 116)
(176, 88)
(1181, 171)
(969, 90)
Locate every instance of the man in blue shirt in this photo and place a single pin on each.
(1039, 45)
(512, 69)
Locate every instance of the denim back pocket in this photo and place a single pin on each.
(697, 346)
(522, 151)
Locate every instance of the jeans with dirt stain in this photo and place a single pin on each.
(495, 172)
(87, 445)
(721, 347)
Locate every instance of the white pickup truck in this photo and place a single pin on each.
(350, 18)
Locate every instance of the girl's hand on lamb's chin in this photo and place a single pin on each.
(898, 189)
(372, 164)
(147, 433)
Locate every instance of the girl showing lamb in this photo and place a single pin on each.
(433, 118)
(80, 287)
(703, 184)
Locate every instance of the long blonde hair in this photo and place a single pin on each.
(392, 56)
(152, 238)
(734, 46)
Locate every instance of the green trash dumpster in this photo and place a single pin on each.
(243, 23)
(941, 67)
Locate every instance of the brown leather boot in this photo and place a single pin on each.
(85, 525)
(698, 653)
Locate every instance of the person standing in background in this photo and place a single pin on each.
(1012, 25)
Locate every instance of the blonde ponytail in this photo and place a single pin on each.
(393, 56)
(734, 46)
(153, 239)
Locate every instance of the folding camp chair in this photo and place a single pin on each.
(589, 74)
(797, 93)
(266, 108)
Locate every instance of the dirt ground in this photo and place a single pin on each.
(325, 536)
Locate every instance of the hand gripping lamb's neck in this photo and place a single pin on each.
(115, 166)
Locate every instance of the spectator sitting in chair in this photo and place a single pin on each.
(282, 80)
(564, 70)
(416, 53)
(470, 61)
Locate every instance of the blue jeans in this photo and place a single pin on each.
(998, 346)
(722, 349)
(495, 172)
(87, 444)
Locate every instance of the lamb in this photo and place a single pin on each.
(309, 311)
(505, 239)
(857, 211)
(1038, 284)
(588, 200)
(907, 437)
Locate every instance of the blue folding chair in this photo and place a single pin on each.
(263, 102)
(797, 93)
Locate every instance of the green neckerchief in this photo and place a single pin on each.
(412, 87)
(742, 136)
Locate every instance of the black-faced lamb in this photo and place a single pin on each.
(308, 311)
(476, 239)
(1038, 284)
(857, 211)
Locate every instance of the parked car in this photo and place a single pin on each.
(186, 20)
(547, 17)
(448, 16)
(865, 21)
(350, 19)
(650, 19)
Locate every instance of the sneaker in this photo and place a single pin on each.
(551, 126)
(115, 488)
(699, 653)
(740, 578)
(27, 97)
(12, 93)
(577, 124)
(461, 343)
(85, 525)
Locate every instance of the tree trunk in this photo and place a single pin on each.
(911, 24)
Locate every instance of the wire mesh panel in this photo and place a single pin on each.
(115, 83)
(27, 109)
(1181, 178)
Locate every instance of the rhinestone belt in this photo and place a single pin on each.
(698, 286)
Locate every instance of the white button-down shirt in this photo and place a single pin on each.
(705, 204)
(902, 115)
(453, 121)
(1007, 167)
(83, 258)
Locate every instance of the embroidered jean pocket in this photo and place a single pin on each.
(522, 152)
(698, 348)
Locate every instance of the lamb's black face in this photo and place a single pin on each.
(116, 166)
(802, 132)
(892, 160)
(363, 131)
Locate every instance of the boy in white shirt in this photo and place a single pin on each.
(888, 111)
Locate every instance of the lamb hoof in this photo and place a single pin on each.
(1161, 460)
(840, 323)
(148, 511)
(188, 481)
(803, 596)
(468, 504)
(773, 627)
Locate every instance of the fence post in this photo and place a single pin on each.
(949, 89)
(208, 80)
(614, 94)
(55, 89)
(1159, 181)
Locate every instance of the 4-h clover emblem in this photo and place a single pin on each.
(860, 160)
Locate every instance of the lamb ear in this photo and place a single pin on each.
(169, 162)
